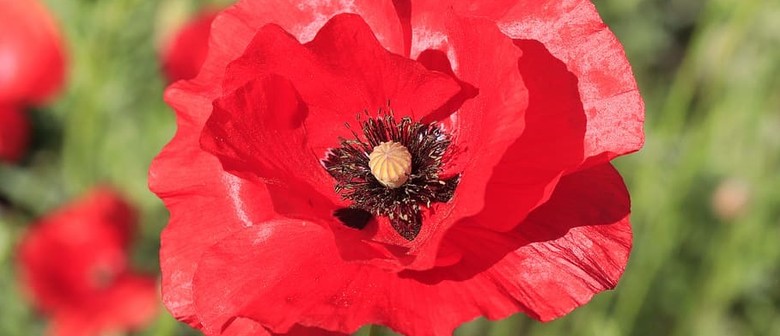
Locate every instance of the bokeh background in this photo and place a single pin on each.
(705, 189)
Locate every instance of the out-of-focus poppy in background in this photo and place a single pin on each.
(184, 53)
(74, 266)
(32, 69)
(87, 77)
(32, 59)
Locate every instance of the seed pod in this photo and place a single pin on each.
(390, 163)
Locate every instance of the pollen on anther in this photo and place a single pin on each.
(390, 163)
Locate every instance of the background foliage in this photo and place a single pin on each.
(705, 189)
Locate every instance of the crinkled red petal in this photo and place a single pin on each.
(572, 247)
(234, 28)
(517, 136)
(257, 132)
(205, 191)
(489, 115)
(291, 102)
(573, 32)
(343, 72)
(550, 145)
(205, 202)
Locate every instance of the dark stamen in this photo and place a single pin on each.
(427, 144)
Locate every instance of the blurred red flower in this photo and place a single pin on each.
(474, 178)
(14, 133)
(32, 60)
(185, 53)
(74, 265)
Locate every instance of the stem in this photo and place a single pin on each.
(375, 330)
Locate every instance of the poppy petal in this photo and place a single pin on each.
(205, 185)
(532, 140)
(288, 104)
(550, 145)
(235, 27)
(557, 260)
(229, 202)
(343, 72)
(570, 248)
(573, 32)
(484, 120)
(257, 133)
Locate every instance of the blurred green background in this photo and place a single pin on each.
(705, 189)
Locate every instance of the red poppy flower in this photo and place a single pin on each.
(74, 265)
(185, 53)
(14, 133)
(32, 60)
(472, 179)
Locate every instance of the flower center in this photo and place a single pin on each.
(394, 172)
